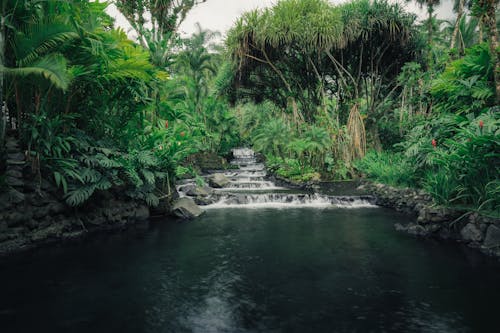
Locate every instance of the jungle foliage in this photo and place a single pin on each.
(324, 91)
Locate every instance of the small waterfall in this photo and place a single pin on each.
(283, 200)
(249, 188)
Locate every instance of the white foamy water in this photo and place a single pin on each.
(248, 188)
(286, 205)
(284, 200)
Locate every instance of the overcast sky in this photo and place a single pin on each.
(219, 15)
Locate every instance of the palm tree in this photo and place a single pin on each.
(459, 8)
(197, 65)
(430, 4)
(272, 137)
(34, 50)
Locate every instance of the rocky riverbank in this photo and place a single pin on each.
(41, 219)
(33, 213)
(431, 220)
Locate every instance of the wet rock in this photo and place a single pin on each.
(186, 208)
(196, 191)
(400, 227)
(471, 233)
(15, 162)
(53, 231)
(14, 173)
(417, 230)
(15, 182)
(492, 238)
(72, 235)
(15, 196)
(16, 156)
(15, 219)
(15, 245)
(141, 213)
(203, 201)
(12, 146)
(41, 212)
(218, 180)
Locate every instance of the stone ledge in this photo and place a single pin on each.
(431, 220)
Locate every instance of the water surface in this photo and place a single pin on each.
(254, 270)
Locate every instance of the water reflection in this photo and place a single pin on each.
(297, 270)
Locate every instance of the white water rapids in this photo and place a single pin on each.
(249, 187)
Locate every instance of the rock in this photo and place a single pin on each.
(471, 233)
(15, 196)
(197, 191)
(492, 238)
(41, 212)
(57, 207)
(16, 218)
(15, 156)
(141, 213)
(203, 201)
(72, 235)
(400, 227)
(53, 231)
(14, 173)
(186, 208)
(417, 230)
(15, 162)
(218, 180)
(14, 245)
(12, 146)
(15, 182)
(95, 220)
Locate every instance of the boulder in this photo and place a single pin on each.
(186, 208)
(492, 238)
(197, 191)
(218, 180)
(204, 200)
(471, 233)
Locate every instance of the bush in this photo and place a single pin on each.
(388, 168)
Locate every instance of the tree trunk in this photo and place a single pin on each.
(460, 12)
(430, 11)
(493, 43)
(480, 25)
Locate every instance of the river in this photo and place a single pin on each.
(268, 268)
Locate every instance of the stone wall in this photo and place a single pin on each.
(432, 220)
(33, 213)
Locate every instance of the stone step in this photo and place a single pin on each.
(14, 173)
(16, 156)
(14, 182)
(15, 162)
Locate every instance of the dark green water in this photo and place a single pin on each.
(247, 270)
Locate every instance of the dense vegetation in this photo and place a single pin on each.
(323, 91)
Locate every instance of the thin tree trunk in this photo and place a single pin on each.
(430, 11)
(460, 12)
(493, 43)
(480, 26)
(339, 66)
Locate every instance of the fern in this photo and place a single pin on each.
(89, 175)
(79, 195)
(148, 176)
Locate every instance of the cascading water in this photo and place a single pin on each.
(249, 188)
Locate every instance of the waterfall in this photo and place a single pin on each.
(248, 187)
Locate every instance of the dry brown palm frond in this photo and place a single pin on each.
(357, 133)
